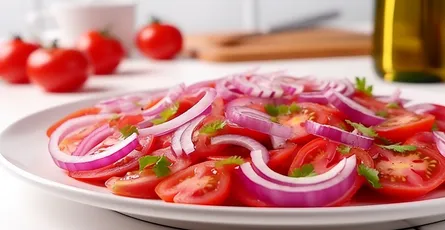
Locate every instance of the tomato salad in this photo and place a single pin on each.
(256, 139)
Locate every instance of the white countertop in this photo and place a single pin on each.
(23, 207)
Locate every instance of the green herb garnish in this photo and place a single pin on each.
(363, 129)
(160, 164)
(343, 149)
(233, 160)
(392, 105)
(435, 127)
(399, 148)
(213, 127)
(166, 114)
(127, 130)
(360, 85)
(276, 110)
(370, 174)
(382, 113)
(306, 170)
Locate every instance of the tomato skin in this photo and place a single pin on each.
(13, 57)
(281, 159)
(78, 113)
(411, 174)
(159, 41)
(396, 131)
(127, 120)
(58, 70)
(175, 188)
(104, 51)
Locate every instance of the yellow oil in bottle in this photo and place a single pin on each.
(409, 40)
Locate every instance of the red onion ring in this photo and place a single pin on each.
(439, 138)
(353, 110)
(277, 142)
(421, 108)
(93, 139)
(172, 95)
(222, 87)
(176, 139)
(314, 195)
(88, 162)
(187, 136)
(258, 121)
(199, 108)
(338, 135)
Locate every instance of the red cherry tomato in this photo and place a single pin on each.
(159, 41)
(198, 184)
(13, 56)
(104, 51)
(58, 69)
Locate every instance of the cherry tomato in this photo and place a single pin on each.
(79, 113)
(58, 69)
(142, 183)
(13, 56)
(399, 128)
(199, 184)
(104, 51)
(281, 159)
(159, 41)
(119, 168)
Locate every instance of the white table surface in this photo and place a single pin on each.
(23, 207)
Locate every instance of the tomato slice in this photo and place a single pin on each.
(78, 113)
(378, 106)
(400, 128)
(199, 184)
(281, 159)
(410, 174)
(126, 120)
(119, 168)
(142, 183)
(296, 121)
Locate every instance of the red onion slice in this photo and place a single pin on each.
(277, 142)
(253, 89)
(259, 155)
(439, 138)
(338, 135)
(421, 108)
(314, 195)
(93, 139)
(353, 110)
(176, 139)
(258, 121)
(88, 162)
(222, 87)
(187, 136)
(199, 108)
(172, 95)
(314, 97)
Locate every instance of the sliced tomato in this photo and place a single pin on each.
(410, 174)
(378, 106)
(78, 113)
(126, 120)
(199, 184)
(281, 159)
(240, 197)
(400, 128)
(218, 107)
(318, 152)
(311, 111)
(120, 167)
(142, 183)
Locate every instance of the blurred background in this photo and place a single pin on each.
(197, 16)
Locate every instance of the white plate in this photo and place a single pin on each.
(23, 149)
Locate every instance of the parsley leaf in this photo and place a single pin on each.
(362, 129)
(392, 105)
(274, 119)
(276, 110)
(435, 127)
(160, 164)
(382, 113)
(343, 149)
(233, 160)
(399, 148)
(306, 170)
(370, 174)
(166, 114)
(213, 127)
(360, 85)
(127, 130)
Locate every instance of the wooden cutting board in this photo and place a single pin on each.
(310, 43)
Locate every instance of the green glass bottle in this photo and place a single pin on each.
(409, 40)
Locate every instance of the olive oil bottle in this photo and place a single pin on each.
(409, 40)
